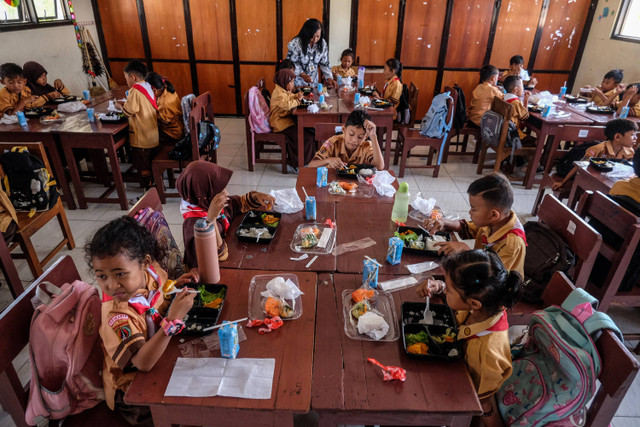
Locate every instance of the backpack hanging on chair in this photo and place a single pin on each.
(434, 123)
(404, 109)
(182, 149)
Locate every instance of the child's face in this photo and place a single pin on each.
(515, 68)
(14, 84)
(353, 137)
(158, 92)
(454, 299)
(42, 80)
(608, 84)
(119, 276)
(291, 86)
(131, 79)
(519, 89)
(388, 72)
(346, 61)
(628, 139)
(480, 212)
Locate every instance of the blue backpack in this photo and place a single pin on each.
(554, 375)
(434, 123)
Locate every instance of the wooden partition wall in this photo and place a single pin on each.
(225, 46)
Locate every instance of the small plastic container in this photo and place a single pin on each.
(362, 190)
(420, 232)
(256, 300)
(413, 312)
(255, 219)
(325, 236)
(383, 304)
(201, 317)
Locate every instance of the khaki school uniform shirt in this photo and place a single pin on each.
(481, 100)
(282, 102)
(339, 71)
(599, 101)
(335, 147)
(605, 149)
(143, 120)
(7, 212)
(123, 332)
(170, 115)
(393, 92)
(487, 351)
(506, 242)
(627, 187)
(9, 101)
(520, 113)
(634, 110)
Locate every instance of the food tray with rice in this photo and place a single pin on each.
(372, 318)
(430, 341)
(112, 118)
(534, 108)
(344, 188)
(419, 242)
(381, 103)
(601, 163)
(305, 103)
(352, 171)
(600, 110)
(275, 295)
(206, 309)
(306, 90)
(367, 90)
(258, 227)
(314, 238)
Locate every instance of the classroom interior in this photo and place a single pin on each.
(226, 46)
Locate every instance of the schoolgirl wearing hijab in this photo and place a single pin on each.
(281, 119)
(202, 189)
(37, 82)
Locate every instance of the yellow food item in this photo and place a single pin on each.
(214, 304)
(362, 294)
(418, 348)
(168, 286)
(272, 307)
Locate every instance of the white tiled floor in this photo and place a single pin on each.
(449, 189)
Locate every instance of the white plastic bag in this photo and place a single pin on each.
(313, 108)
(287, 201)
(382, 182)
(71, 107)
(9, 119)
(279, 288)
(425, 206)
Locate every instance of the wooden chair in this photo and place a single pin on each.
(570, 133)
(9, 270)
(502, 151)
(583, 240)
(619, 367)
(324, 131)
(414, 92)
(465, 131)
(15, 322)
(201, 109)
(150, 199)
(409, 138)
(258, 143)
(28, 226)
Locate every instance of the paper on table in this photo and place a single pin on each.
(395, 284)
(421, 267)
(243, 378)
(354, 246)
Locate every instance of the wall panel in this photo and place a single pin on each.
(377, 31)
(469, 33)
(219, 80)
(294, 15)
(467, 80)
(165, 25)
(256, 30)
(551, 82)
(422, 32)
(121, 28)
(515, 31)
(211, 29)
(424, 80)
(117, 71)
(177, 73)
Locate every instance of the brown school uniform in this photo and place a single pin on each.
(9, 101)
(634, 110)
(509, 242)
(481, 100)
(605, 149)
(143, 124)
(170, 115)
(124, 331)
(282, 102)
(599, 101)
(627, 187)
(339, 71)
(520, 113)
(335, 147)
(392, 92)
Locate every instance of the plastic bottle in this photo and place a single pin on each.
(401, 204)
(204, 234)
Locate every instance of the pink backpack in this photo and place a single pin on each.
(258, 112)
(65, 352)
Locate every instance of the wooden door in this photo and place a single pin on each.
(377, 31)
(219, 80)
(256, 30)
(178, 73)
(121, 28)
(166, 29)
(469, 33)
(294, 15)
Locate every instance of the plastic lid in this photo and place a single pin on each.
(403, 188)
(203, 225)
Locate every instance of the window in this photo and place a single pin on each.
(32, 13)
(628, 21)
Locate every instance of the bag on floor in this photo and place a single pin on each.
(157, 225)
(27, 182)
(546, 254)
(434, 123)
(554, 375)
(65, 352)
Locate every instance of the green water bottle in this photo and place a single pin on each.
(401, 204)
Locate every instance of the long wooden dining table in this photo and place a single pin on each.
(589, 178)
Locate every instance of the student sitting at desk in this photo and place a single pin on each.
(392, 90)
(344, 69)
(357, 145)
(483, 94)
(170, 124)
(631, 99)
(37, 82)
(629, 187)
(516, 68)
(15, 96)
(609, 89)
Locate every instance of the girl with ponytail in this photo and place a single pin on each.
(392, 90)
(170, 124)
(479, 289)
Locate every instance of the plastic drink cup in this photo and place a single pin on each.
(319, 88)
(229, 345)
(310, 208)
(21, 118)
(370, 273)
(394, 254)
(86, 95)
(563, 91)
(91, 115)
(360, 77)
(356, 99)
(546, 111)
(321, 177)
(321, 99)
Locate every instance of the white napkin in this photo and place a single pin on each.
(313, 108)
(423, 205)
(620, 171)
(9, 119)
(112, 107)
(382, 182)
(346, 81)
(71, 107)
(364, 100)
(287, 201)
(373, 325)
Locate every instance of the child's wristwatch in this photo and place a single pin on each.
(172, 327)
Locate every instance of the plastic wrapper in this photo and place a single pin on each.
(269, 324)
(620, 171)
(71, 107)
(9, 119)
(382, 181)
(373, 325)
(389, 373)
(313, 108)
(424, 206)
(356, 245)
(287, 201)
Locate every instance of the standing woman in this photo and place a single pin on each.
(309, 52)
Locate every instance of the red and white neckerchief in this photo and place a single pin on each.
(387, 83)
(501, 325)
(510, 97)
(194, 211)
(517, 229)
(145, 89)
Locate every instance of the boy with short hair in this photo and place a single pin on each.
(15, 95)
(621, 138)
(493, 224)
(516, 68)
(142, 111)
(357, 145)
(631, 99)
(515, 90)
(609, 89)
(483, 94)
(629, 187)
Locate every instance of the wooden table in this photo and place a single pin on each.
(309, 120)
(307, 179)
(349, 390)
(598, 119)
(372, 220)
(589, 178)
(277, 255)
(291, 346)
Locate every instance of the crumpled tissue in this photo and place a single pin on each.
(373, 325)
(382, 182)
(287, 201)
(9, 119)
(313, 108)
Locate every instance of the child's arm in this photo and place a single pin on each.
(435, 225)
(330, 162)
(491, 415)
(24, 102)
(628, 94)
(60, 87)
(378, 159)
(152, 350)
(558, 185)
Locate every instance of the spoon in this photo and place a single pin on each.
(176, 290)
(428, 316)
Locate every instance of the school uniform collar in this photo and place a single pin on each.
(611, 152)
(343, 148)
(497, 323)
(392, 79)
(510, 97)
(512, 227)
(145, 89)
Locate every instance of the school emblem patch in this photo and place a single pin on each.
(120, 325)
(89, 327)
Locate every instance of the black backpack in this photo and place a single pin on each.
(546, 254)
(577, 153)
(27, 182)
(208, 141)
(460, 113)
(404, 110)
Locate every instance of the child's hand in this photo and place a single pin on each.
(370, 128)
(621, 87)
(376, 94)
(430, 287)
(335, 162)
(527, 95)
(192, 276)
(557, 186)
(332, 83)
(434, 225)
(53, 95)
(219, 202)
(533, 81)
(300, 95)
(25, 102)
(182, 303)
(58, 84)
(450, 248)
(118, 105)
(630, 92)
(266, 200)
(305, 77)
